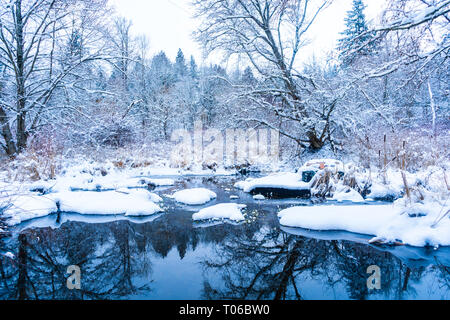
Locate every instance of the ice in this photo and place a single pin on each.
(196, 196)
(231, 211)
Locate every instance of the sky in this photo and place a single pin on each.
(169, 25)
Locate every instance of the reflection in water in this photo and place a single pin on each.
(171, 257)
(254, 261)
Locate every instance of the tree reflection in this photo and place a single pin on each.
(274, 265)
(107, 255)
(247, 261)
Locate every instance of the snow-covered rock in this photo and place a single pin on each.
(231, 211)
(196, 196)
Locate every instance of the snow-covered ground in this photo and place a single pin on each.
(90, 188)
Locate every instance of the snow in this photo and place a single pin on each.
(286, 180)
(196, 196)
(347, 194)
(231, 211)
(382, 191)
(383, 221)
(316, 164)
(130, 202)
(259, 197)
(133, 203)
(9, 255)
(152, 196)
(26, 207)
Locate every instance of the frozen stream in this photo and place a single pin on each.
(168, 256)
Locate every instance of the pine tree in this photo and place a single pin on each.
(193, 69)
(180, 64)
(355, 37)
(248, 77)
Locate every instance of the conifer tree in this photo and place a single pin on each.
(355, 37)
(180, 64)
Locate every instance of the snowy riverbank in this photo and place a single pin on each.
(417, 217)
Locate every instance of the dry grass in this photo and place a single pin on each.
(417, 148)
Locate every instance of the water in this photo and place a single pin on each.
(171, 257)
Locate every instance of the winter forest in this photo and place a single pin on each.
(86, 106)
(74, 78)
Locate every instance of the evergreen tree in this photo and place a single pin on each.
(193, 69)
(248, 77)
(355, 36)
(180, 64)
(162, 70)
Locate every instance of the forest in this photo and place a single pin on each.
(75, 77)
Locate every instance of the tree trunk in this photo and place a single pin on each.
(21, 135)
(314, 142)
(10, 146)
(23, 257)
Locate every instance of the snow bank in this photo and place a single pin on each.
(28, 207)
(131, 203)
(196, 196)
(287, 180)
(386, 222)
(144, 193)
(231, 211)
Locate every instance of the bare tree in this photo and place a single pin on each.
(30, 32)
(270, 34)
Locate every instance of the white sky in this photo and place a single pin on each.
(169, 25)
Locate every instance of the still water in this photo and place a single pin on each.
(169, 256)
